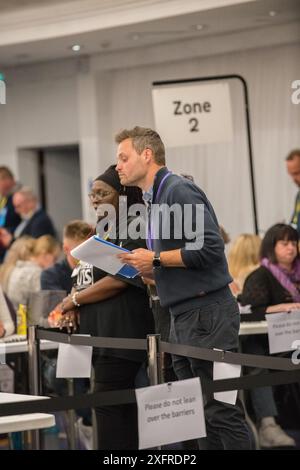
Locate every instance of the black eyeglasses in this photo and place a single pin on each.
(99, 195)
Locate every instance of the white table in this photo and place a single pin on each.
(253, 328)
(24, 422)
(22, 346)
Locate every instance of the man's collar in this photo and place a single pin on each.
(148, 195)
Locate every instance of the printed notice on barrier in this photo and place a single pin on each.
(170, 412)
(283, 330)
(74, 360)
(222, 371)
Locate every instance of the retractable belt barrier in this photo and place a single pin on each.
(289, 373)
(250, 360)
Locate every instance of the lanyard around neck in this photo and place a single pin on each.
(150, 226)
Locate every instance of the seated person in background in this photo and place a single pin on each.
(243, 258)
(7, 326)
(35, 222)
(58, 276)
(18, 251)
(46, 251)
(273, 287)
(25, 275)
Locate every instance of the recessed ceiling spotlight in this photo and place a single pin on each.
(135, 36)
(272, 13)
(76, 47)
(198, 27)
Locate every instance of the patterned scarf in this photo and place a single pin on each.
(288, 280)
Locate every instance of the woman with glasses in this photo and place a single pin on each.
(112, 306)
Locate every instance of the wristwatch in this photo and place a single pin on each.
(156, 260)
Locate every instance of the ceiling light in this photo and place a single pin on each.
(198, 27)
(76, 47)
(272, 13)
(135, 36)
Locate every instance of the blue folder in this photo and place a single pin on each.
(126, 270)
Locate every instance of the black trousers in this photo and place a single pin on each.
(212, 326)
(117, 425)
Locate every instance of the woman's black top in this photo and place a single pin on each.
(126, 315)
(261, 289)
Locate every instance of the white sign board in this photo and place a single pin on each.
(171, 412)
(193, 114)
(74, 360)
(283, 330)
(221, 371)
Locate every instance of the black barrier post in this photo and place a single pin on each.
(154, 359)
(34, 377)
(72, 417)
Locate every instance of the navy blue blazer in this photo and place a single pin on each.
(39, 224)
(57, 277)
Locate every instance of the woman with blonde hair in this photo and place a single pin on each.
(46, 251)
(25, 277)
(243, 258)
(20, 250)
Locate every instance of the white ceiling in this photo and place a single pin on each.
(13, 5)
(40, 30)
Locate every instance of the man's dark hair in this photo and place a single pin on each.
(294, 153)
(273, 235)
(143, 138)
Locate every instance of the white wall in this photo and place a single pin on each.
(44, 103)
(70, 102)
(223, 172)
(41, 110)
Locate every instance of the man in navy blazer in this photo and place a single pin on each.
(9, 219)
(34, 220)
